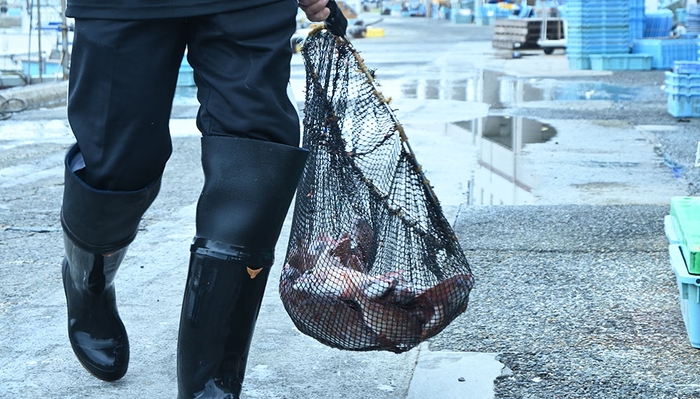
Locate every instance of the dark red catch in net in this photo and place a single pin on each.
(372, 263)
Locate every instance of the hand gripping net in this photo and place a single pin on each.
(372, 263)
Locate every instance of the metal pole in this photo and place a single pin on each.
(30, 8)
(64, 37)
(38, 24)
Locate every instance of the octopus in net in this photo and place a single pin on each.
(329, 290)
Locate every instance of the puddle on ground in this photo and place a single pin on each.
(501, 90)
(444, 82)
(501, 178)
(489, 86)
(515, 91)
(589, 91)
(440, 89)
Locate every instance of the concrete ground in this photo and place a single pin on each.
(575, 296)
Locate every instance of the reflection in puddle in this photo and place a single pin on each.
(492, 87)
(444, 82)
(500, 90)
(440, 89)
(501, 178)
(514, 91)
(591, 91)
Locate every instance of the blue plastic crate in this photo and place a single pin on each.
(610, 41)
(594, 21)
(658, 23)
(692, 19)
(594, 48)
(667, 51)
(597, 4)
(621, 62)
(686, 67)
(676, 79)
(587, 50)
(573, 53)
(621, 25)
(689, 294)
(578, 40)
(31, 67)
(599, 39)
(621, 29)
(684, 90)
(597, 7)
(494, 11)
(579, 62)
(682, 106)
(637, 12)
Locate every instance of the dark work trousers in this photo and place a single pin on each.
(123, 78)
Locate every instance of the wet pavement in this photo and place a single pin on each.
(556, 182)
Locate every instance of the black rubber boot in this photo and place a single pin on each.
(248, 189)
(98, 226)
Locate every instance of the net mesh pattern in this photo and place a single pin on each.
(372, 263)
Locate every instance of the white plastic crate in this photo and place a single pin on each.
(689, 292)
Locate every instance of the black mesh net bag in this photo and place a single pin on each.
(372, 263)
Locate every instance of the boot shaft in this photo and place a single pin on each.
(249, 186)
(101, 221)
(89, 272)
(98, 226)
(220, 308)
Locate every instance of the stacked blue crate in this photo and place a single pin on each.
(683, 89)
(596, 27)
(489, 13)
(666, 51)
(621, 62)
(658, 23)
(636, 20)
(658, 42)
(692, 20)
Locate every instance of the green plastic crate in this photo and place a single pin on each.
(685, 215)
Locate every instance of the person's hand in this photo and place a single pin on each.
(328, 11)
(315, 10)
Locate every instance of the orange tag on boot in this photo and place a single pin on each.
(253, 273)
